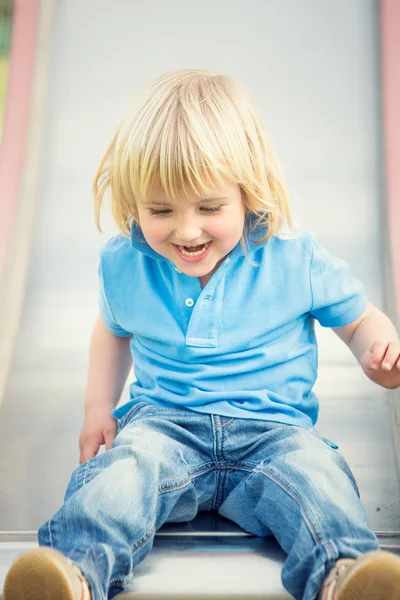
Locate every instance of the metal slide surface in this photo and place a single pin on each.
(328, 142)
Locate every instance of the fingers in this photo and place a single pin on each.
(385, 356)
(109, 437)
(88, 451)
(392, 357)
(92, 437)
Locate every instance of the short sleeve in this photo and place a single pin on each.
(337, 297)
(105, 308)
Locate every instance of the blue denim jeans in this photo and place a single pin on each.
(167, 464)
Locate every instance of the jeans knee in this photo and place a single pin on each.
(87, 470)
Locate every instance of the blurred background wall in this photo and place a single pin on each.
(5, 35)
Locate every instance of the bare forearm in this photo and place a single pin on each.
(109, 364)
(376, 327)
(375, 343)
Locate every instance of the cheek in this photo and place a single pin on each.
(227, 229)
(156, 231)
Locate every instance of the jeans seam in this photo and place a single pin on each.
(297, 497)
(319, 574)
(215, 445)
(124, 419)
(170, 486)
(50, 535)
(324, 569)
(86, 473)
(201, 468)
(223, 424)
(222, 430)
(142, 540)
(174, 485)
(335, 550)
(135, 548)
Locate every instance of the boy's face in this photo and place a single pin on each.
(174, 231)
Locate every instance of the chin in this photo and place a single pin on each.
(196, 272)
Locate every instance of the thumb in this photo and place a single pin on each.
(88, 451)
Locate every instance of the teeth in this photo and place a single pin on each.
(197, 253)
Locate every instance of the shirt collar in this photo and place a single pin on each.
(256, 232)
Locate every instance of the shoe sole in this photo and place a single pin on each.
(376, 577)
(42, 574)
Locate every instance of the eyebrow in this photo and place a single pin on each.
(201, 201)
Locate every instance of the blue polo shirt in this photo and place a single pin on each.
(244, 346)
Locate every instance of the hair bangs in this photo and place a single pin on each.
(192, 132)
(182, 158)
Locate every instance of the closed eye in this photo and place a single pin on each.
(167, 211)
(159, 212)
(211, 209)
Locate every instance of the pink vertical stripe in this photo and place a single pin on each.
(16, 116)
(390, 34)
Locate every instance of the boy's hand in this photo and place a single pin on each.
(381, 363)
(97, 429)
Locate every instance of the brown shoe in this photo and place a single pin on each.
(45, 574)
(373, 576)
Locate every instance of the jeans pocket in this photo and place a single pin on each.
(342, 462)
(129, 415)
(324, 439)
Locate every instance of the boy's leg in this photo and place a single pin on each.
(116, 501)
(302, 491)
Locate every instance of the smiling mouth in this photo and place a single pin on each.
(193, 250)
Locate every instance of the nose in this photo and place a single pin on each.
(188, 230)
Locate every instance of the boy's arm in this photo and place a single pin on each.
(109, 364)
(110, 361)
(375, 343)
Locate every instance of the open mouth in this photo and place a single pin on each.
(194, 250)
(193, 253)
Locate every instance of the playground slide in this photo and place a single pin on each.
(96, 55)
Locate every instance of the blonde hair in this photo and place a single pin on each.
(192, 131)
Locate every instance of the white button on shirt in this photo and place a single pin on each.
(189, 302)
